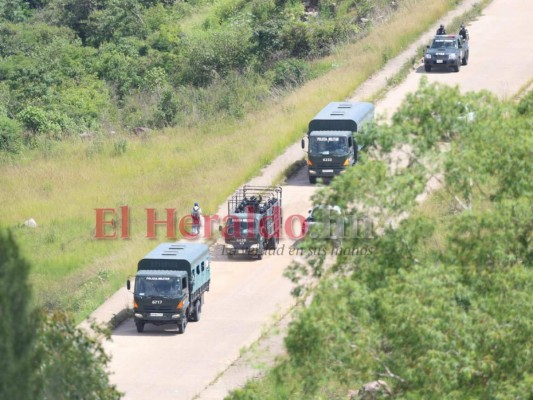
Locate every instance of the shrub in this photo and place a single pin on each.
(291, 72)
(10, 135)
(38, 121)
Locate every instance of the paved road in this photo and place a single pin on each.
(162, 365)
(501, 55)
(245, 294)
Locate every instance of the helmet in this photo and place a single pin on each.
(442, 26)
(196, 204)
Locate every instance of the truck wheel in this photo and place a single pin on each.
(140, 326)
(182, 325)
(312, 179)
(457, 67)
(427, 68)
(197, 311)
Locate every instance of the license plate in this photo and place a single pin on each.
(327, 171)
(156, 314)
(439, 61)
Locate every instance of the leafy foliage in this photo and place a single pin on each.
(19, 362)
(44, 356)
(71, 66)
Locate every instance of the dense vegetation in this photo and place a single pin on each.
(44, 356)
(71, 67)
(441, 307)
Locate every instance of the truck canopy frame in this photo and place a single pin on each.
(192, 258)
(258, 198)
(342, 116)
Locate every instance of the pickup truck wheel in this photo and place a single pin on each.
(140, 326)
(312, 179)
(464, 61)
(427, 68)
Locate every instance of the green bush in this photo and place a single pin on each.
(525, 106)
(291, 72)
(215, 53)
(38, 121)
(10, 135)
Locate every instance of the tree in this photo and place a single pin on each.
(19, 363)
(44, 356)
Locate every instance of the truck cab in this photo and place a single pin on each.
(332, 142)
(170, 284)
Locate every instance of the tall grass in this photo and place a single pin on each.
(171, 168)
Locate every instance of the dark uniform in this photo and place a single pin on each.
(463, 32)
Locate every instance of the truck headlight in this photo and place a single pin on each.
(229, 247)
(452, 56)
(254, 246)
(428, 56)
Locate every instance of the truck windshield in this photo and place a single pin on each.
(328, 145)
(440, 43)
(238, 227)
(164, 286)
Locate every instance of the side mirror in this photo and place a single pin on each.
(220, 228)
(427, 47)
(350, 142)
(128, 284)
(303, 144)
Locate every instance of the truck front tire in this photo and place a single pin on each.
(182, 324)
(140, 326)
(312, 179)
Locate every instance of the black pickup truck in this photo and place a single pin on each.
(448, 51)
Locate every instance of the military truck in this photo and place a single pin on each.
(447, 51)
(332, 143)
(254, 221)
(170, 284)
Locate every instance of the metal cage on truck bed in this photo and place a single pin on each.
(255, 199)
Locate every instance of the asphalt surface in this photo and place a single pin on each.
(245, 294)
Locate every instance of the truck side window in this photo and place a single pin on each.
(203, 265)
(197, 270)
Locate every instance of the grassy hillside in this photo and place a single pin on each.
(204, 157)
(441, 306)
